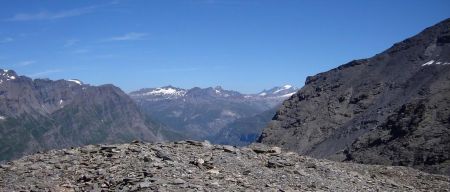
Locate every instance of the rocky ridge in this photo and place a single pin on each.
(390, 109)
(42, 114)
(201, 166)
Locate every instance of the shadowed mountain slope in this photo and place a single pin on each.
(392, 109)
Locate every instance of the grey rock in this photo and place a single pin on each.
(179, 181)
(42, 114)
(391, 109)
(229, 149)
(266, 172)
(163, 155)
(260, 148)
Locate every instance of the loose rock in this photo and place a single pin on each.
(196, 166)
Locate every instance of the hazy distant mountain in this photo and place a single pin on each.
(43, 114)
(392, 109)
(202, 113)
(245, 130)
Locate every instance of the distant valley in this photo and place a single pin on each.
(215, 114)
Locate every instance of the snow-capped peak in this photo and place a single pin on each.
(283, 91)
(285, 87)
(8, 75)
(163, 91)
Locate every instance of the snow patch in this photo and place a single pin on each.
(76, 81)
(288, 95)
(8, 76)
(283, 88)
(164, 91)
(428, 63)
(61, 102)
(177, 113)
(277, 91)
(262, 94)
(228, 113)
(2, 117)
(436, 63)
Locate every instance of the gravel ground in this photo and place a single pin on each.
(201, 166)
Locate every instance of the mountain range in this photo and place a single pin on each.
(390, 109)
(203, 113)
(42, 114)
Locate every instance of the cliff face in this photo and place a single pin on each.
(44, 114)
(390, 109)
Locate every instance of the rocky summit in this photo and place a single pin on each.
(201, 166)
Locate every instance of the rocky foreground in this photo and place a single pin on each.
(200, 166)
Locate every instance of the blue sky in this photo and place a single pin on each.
(242, 45)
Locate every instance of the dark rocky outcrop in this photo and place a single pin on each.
(391, 109)
(200, 166)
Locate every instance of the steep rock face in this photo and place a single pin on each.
(200, 166)
(43, 114)
(400, 96)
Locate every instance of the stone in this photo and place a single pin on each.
(179, 181)
(199, 161)
(145, 184)
(164, 156)
(213, 171)
(275, 150)
(228, 148)
(259, 148)
(210, 169)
